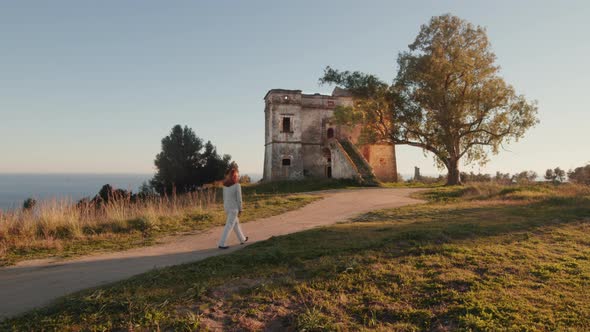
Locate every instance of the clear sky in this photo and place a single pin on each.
(93, 86)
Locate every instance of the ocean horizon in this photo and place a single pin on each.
(17, 187)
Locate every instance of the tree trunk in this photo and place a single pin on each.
(454, 176)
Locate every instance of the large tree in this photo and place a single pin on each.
(447, 98)
(185, 163)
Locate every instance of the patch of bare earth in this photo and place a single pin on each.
(224, 314)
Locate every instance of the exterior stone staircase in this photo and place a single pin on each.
(367, 176)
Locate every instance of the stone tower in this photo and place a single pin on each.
(303, 140)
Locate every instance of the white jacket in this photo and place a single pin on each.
(232, 197)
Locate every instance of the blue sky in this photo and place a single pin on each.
(93, 86)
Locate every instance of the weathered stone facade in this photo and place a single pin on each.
(303, 140)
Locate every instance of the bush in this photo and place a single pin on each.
(245, 179)
(472, 177)
(524, 177)
(144, 224)
(556, 175)
(502, 178)
(428, 179)
(29, 204)
(146, 191)
(580, 175)
(400, 178)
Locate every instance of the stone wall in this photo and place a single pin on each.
(381, 157)
(292, 152)
(314, 163)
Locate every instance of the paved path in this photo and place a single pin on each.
(36, 283)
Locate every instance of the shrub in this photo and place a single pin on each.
(524, 177)
(105, 193)
(400, 177)
(146, 191)
(580, 175)
(556, 175)
(29, 204)
(144, 224)
(428, 179)
(502, 178)
(245, 179)
(472, 177)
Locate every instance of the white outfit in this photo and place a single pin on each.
(232, 197)
(232, 204)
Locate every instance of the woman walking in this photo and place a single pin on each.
(232, 204)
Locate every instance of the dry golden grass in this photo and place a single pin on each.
(63, 228)
(53, 223)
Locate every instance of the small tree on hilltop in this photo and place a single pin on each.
(108, 194)
(559, 174)
(183, 166)
(448, 98)
(502, 178)
(105, 194)
(580, 175)
(556, 175)
(525, 177)
(29, 204)
(550, 175)
(245, 179)
(472, 177)
(146, 191)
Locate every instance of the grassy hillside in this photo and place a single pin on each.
(481, 257)
(309, 185)
(60, 228)
(63, 229)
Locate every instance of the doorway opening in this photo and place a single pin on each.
(327, 162)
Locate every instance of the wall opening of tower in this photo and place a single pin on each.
(286, 124)
(330, 132)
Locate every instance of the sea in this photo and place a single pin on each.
(15, 188)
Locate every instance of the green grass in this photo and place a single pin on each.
(470, 260)
(311, 185)
(411, 184)
(300, 186)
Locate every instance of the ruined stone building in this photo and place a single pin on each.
(303, 140)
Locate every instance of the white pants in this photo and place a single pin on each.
(232, 222)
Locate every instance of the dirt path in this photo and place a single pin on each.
(36, 283)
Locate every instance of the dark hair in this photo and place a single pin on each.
(231, 178)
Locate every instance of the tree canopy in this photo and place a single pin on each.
(185, 163)
(580, 175)
(447, 98)
(555, 175)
